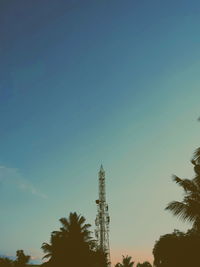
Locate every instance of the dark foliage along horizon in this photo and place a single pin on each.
(178, 249)
(127, 262)
(73, 245)
(20, 261)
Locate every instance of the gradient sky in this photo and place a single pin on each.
(85, 82)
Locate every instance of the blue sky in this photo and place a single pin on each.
(90, 82)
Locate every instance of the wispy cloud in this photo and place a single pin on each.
(14, 177)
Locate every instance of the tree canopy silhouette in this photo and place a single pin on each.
(73, 245)
(144, 264)
(177, 250)
(126, 262)
(22, 259)
(189, 208)
(6, 262)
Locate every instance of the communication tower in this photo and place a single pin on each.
(102, 219)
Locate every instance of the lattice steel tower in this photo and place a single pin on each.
(102, 220)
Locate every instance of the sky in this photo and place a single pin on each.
(90, 82)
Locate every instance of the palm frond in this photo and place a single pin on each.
(47, 256)
(46, 247)
(196, 156)
(186, 184)
(184, 211)
(126, 261)
(65, 223)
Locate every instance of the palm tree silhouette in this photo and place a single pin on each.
(51, 249)
(189, 208)
(126, 262)
(74, 227)
(72, 245)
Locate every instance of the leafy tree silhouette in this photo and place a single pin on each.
(22, 259)
(6, 262)
(126, 262)
(189, 208)
(73, 245)
(177, 250)
(144, 264)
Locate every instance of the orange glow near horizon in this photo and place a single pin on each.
(137, 255)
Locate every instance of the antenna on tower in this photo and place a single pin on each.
(102, 219)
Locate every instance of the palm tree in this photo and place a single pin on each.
(52, 249)
(189, 208)
(74, 227)
(72, 244)
(126, 262)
